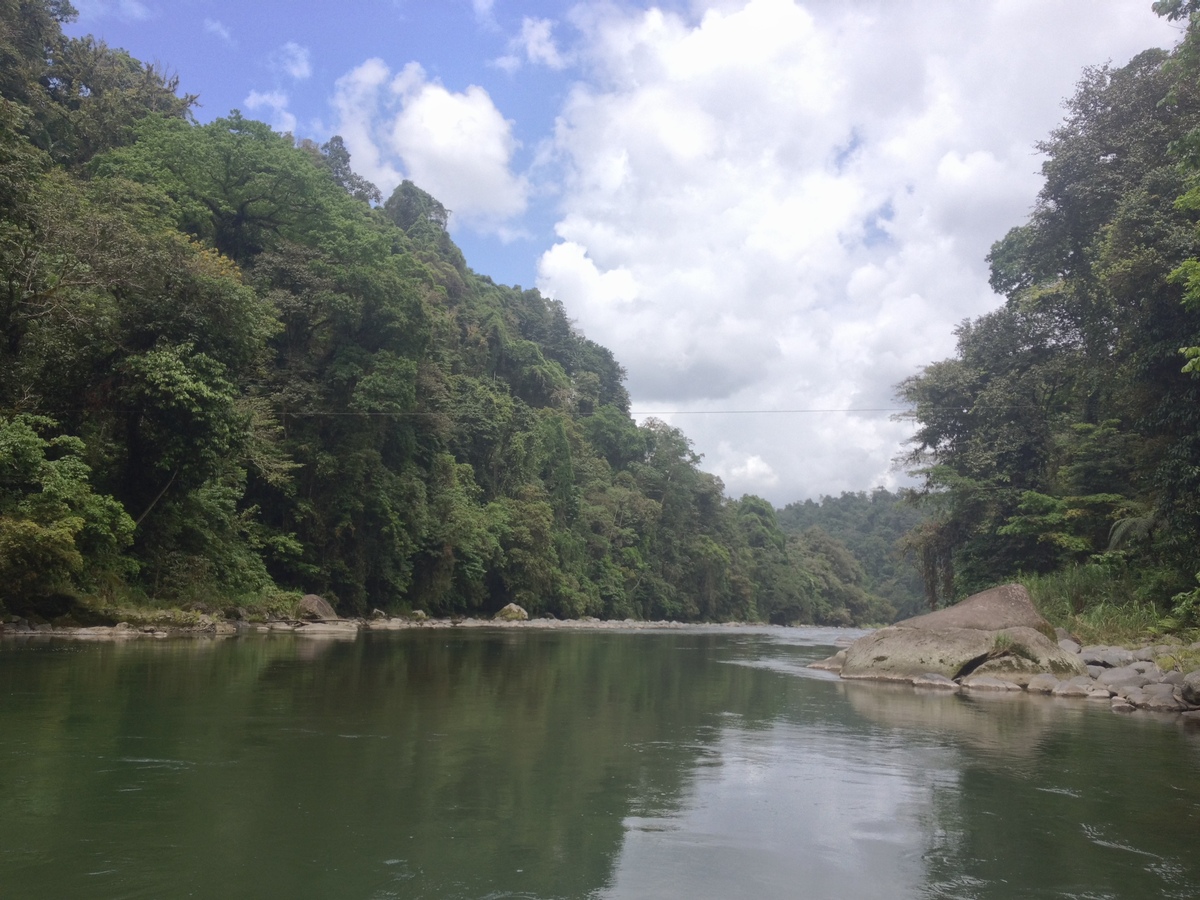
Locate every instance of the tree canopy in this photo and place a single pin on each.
(227, 369)
(1065, 430)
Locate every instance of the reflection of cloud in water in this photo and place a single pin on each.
(813, 812)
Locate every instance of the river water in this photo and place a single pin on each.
(705, 763)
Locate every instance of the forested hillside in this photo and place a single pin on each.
(227, 369)
(874, 530)
(1064, 436)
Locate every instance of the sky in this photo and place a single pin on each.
(771, 211)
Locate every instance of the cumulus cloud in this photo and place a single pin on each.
(534, 44)
(275, 103)
(217, 28)
(456, 145)
(292, 60)
(784, 207)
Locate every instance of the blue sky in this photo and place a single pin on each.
(226, 51)
(772, 211)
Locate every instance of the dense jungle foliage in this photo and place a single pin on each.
(1063, 439)
(227, 369)
(874, 530)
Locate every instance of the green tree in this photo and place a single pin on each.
(57, 536)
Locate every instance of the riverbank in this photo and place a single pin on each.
(204, 625)
(1162, 678)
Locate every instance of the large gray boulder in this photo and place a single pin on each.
(997, 633)
(314, 608)
(1007, 606)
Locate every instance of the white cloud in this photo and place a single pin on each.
(750, 470)
(535, 44)
(292, 60)
(217, 28)
(456, 145)
(276, 102)
(776, 206)
(357, 101)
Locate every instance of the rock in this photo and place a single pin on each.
(1173, 678)
(1110, 657)
(1119, 677)
(315, 608)
(338, 630)
(512, 613)
(988, 683)
(997, 633)
(378, 614)
(1189, 690)
(833, 663)
(1007, 606)
(1121, 705)
(1156, 697)
(1094, 671)
(1069, 645)
(899, 653)
(1192, 716)
(1144, 654)
(1145, 666)
(934, 681)
(1079, 686)
(1042, 684)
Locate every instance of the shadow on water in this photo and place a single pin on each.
(563, 764)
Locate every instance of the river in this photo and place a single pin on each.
(455, 763)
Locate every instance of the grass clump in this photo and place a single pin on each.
(1098, 605)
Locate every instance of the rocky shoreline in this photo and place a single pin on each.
(1144, 678)
(212, 626)
(996, 641)
(1126, 679)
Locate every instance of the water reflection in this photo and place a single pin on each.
(518, 764)
(789, 811)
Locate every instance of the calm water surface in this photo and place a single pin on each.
(473, 764)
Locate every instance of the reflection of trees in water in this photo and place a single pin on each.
(446, 763)
(1052, 798)
(486, 761)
